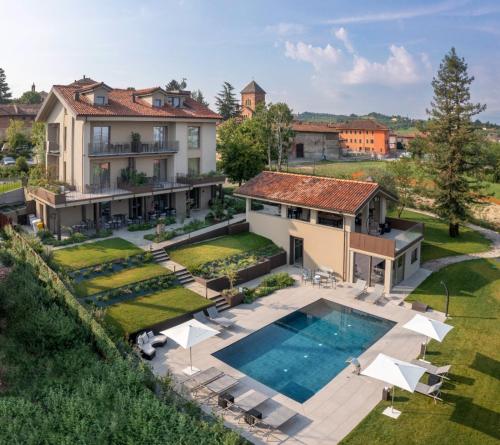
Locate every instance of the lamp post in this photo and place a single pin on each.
(447, 297)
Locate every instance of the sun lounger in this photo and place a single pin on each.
(276, 419)
(146, 348)
(202, 378)
(156, 340)
(215, 316)
(220, 385)
(429, 391)
(202, 318)
(247, 402)
(358, 288)
(375, 295)
(440, 371)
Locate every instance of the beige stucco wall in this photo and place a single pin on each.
(315, 146)
(323, 246)
(410, 269)
(97, 92)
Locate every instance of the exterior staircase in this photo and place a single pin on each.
(220, 302)
(160, 255)
(183, 276)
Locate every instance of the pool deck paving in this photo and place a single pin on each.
(339, 406)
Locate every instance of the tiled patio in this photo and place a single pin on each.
(340, 405)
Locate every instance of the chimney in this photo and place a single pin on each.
(133, 97)
(33, 89)
(77, 95)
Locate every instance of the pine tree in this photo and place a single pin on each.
(197, 95)
(454, 144)
(5, 94)
(226, 102)
(175, 85)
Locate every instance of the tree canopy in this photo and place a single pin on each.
(5, 94)
(226, 103)
(30, 97)
(175, 85)
(198, 96)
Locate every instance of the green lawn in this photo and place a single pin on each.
(90, 254)
(195, 255)
(470, 413)
(342, 169)
(134, 315)
(438, 244)
(8, 186)
(122, 278)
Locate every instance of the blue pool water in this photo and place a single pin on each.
(299, 354)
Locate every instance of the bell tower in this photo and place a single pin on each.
(251, 96)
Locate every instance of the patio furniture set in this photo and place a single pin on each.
(212, 383)
(147, 341)
(319, 277)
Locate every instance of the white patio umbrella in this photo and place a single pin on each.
(429, 327)
(189, 334)
(396, 372)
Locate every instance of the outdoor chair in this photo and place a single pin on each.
(440, 371)
(316, 280)
(430, 391)
(157, 340)
(275, 420)
(146, 348)
(195, 382)
(215, 316)
(306, 275)
(358, 288)
(375, 296)
(202, 318)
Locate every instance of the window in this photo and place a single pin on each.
(100, 136)
(157, 103)
(194, 196)
(193, 166)
(159, 136)
(193, 137)
(371, 140)
(174, 101)
(100, 176)
(248, 102)
(414, 255)
(99, 100)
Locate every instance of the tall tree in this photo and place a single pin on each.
(281, 119)
(453, 142)
(30, 97)
(197, 95)
(226, 102)
(5, 94)
(404, 181)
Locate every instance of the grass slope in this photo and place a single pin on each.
(131, 316)
(470, 413)
(438, 244)
(90, 254)
(195, 255)
(122, 278)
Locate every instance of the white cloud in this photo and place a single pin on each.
(397, 15)
(399, 68)
(317, 56)
(286, 29)
(341, 34)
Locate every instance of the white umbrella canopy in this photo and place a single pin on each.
(395, 372)
(189, 334)
(427, 326)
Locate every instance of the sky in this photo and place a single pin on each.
(331, 56)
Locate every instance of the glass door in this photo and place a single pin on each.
(297, 251)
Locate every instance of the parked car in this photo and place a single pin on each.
(8, 160)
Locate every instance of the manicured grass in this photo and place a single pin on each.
(470, 413)
(90, 254)
(197, 254)
(122, 278)
(9, 186)
(132, 316)
(354, 169)
(438, 244)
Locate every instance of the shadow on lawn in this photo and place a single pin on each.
(474, 416)
(486, 365)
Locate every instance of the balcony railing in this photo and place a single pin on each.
(128, 148)
(149, 184)
(200, 179)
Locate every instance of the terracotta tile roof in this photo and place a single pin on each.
(310, 127)
(121, 103)
(339, 195)
(19, 109)
(360, 124)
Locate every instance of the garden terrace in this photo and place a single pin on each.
(91, 254)
(194, 256)
(119, 279)
(469, 413)
(160, 307)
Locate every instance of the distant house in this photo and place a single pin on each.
(26, 113)
(314, 142)
(251, 96)
(398, 141)
(334, 224)
(364, 135)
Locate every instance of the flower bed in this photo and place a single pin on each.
(151, 225)
(196, 224)
(47, 238)
(131, 291)
(267, 286)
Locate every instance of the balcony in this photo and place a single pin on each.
(132, 149)
(403, 234)
(149, 184)
(201, 179)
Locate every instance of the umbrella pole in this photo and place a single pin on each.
(190, 359)
(425, 346)
(392, 404)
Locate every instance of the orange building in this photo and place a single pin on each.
(251, 96)
(364, 135)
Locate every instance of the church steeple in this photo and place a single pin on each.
(33, 89)
(251, 96)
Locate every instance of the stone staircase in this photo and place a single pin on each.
(183, 276)
(220, 302)
(160, 255)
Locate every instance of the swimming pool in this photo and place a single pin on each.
(299, 354)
